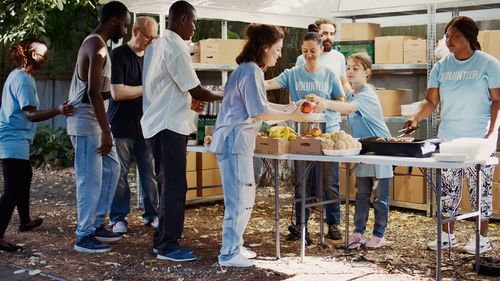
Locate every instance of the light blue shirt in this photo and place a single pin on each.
(464, 94)
(16, 131)
(324, 83)
(334, 60)
(244, 98)
(368, 121)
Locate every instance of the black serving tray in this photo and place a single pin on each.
(416, 148)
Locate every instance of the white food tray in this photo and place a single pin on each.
(342, 152)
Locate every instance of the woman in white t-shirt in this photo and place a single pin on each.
(466, 86)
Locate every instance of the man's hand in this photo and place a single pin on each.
(198, 106)
(106, 143)
(66, 109)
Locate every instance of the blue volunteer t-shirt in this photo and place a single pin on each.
(244, 98)
(324, 83)
(464, 94)
(368, 121)
(16, 131)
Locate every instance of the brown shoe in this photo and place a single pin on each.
(30, 225)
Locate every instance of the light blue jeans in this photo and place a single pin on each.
(238, 183)
(382, 192)
(129, 149)
(96, 180)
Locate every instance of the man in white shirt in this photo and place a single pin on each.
(170, 83)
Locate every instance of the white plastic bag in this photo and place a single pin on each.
(441, 50)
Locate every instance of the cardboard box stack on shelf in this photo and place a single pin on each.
(202, 170)
(415, 51)
(357, 37)
(465, 203)
(392, 99)
(409, 186)
(389, 49)
(220, 51)
(489, 42)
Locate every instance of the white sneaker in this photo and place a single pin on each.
(152, 222)
(447, 241)
(119, 227)
(484, 244)
(238, 261)
(247, 253)
(375, 242)
(356, 241)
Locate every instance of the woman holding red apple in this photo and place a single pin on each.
(244, 106)
(301, 80)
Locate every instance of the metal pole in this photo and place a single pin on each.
(224, 36)
(347, 191)
(478, 218)
(303, 219)
(439, 224)
(277, 206)
(321, 207)
(162, 24)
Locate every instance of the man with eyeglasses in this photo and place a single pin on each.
(124, 115)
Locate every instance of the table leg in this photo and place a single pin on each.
(303, 221)
(478, 217)
(277, 206)
(347, 188)
(321, 207)
(439, 224)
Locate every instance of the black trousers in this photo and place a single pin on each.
(17, 176)
(169, 153)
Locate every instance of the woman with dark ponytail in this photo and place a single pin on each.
(18, 113)
(313, 77)
(466, 86)
(243, 108)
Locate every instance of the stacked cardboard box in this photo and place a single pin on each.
(268, 145)
(415, 51)
(220, 51)
(392, 99)
(359, 31)
(202, 170)
(342, 180)
(409, 186)
(389, 49)
(489, 42)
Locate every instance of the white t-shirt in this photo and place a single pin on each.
(167, 77)
(334, 60)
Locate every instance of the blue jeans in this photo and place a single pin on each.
(129, 149)
(382, 192)
(330, 179)
(238, 183)
(96, 180)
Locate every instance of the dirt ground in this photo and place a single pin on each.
(50, 247)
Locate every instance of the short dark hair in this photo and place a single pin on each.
(259, 36)
(19, 52)
(312, 34)
(468, 28)
(178, 9)
(113, 9)
(319, 22)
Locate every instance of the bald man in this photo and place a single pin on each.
(124, 115)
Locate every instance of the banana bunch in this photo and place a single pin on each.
(283, 132)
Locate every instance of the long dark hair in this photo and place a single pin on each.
(468, 28)
(259, 36)
(21, 51)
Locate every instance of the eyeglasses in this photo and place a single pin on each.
(149, 38)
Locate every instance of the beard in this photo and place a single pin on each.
(327, 46)
(36, 64)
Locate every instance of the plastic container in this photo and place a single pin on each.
(350, 47)
(474, 148)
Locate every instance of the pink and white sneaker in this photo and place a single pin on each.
(375, 242)
(356, 241)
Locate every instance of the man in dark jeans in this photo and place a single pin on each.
(124, 114)
(170, 83)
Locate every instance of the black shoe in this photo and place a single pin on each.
(334, 232)
(7, 247)
(30, 225)
(295, 232)
(104, 235)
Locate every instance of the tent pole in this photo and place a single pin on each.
(162, 24)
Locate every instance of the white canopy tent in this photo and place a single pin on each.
(300, 13)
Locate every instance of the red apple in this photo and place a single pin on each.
(315, 131)
(306, 107)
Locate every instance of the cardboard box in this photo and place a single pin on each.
(191, 178)
(266, 145)
(392, 99)
(220, 51)
(496, 175)
(206, 161)
(309, 146)
(389, 49)
(191, 161)
(404, 171)
(496, 198)
(489, 42)
(410, 189)
(415, 51)
(209, 178)
(342, 185)
(194, 49)
(359, 31)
